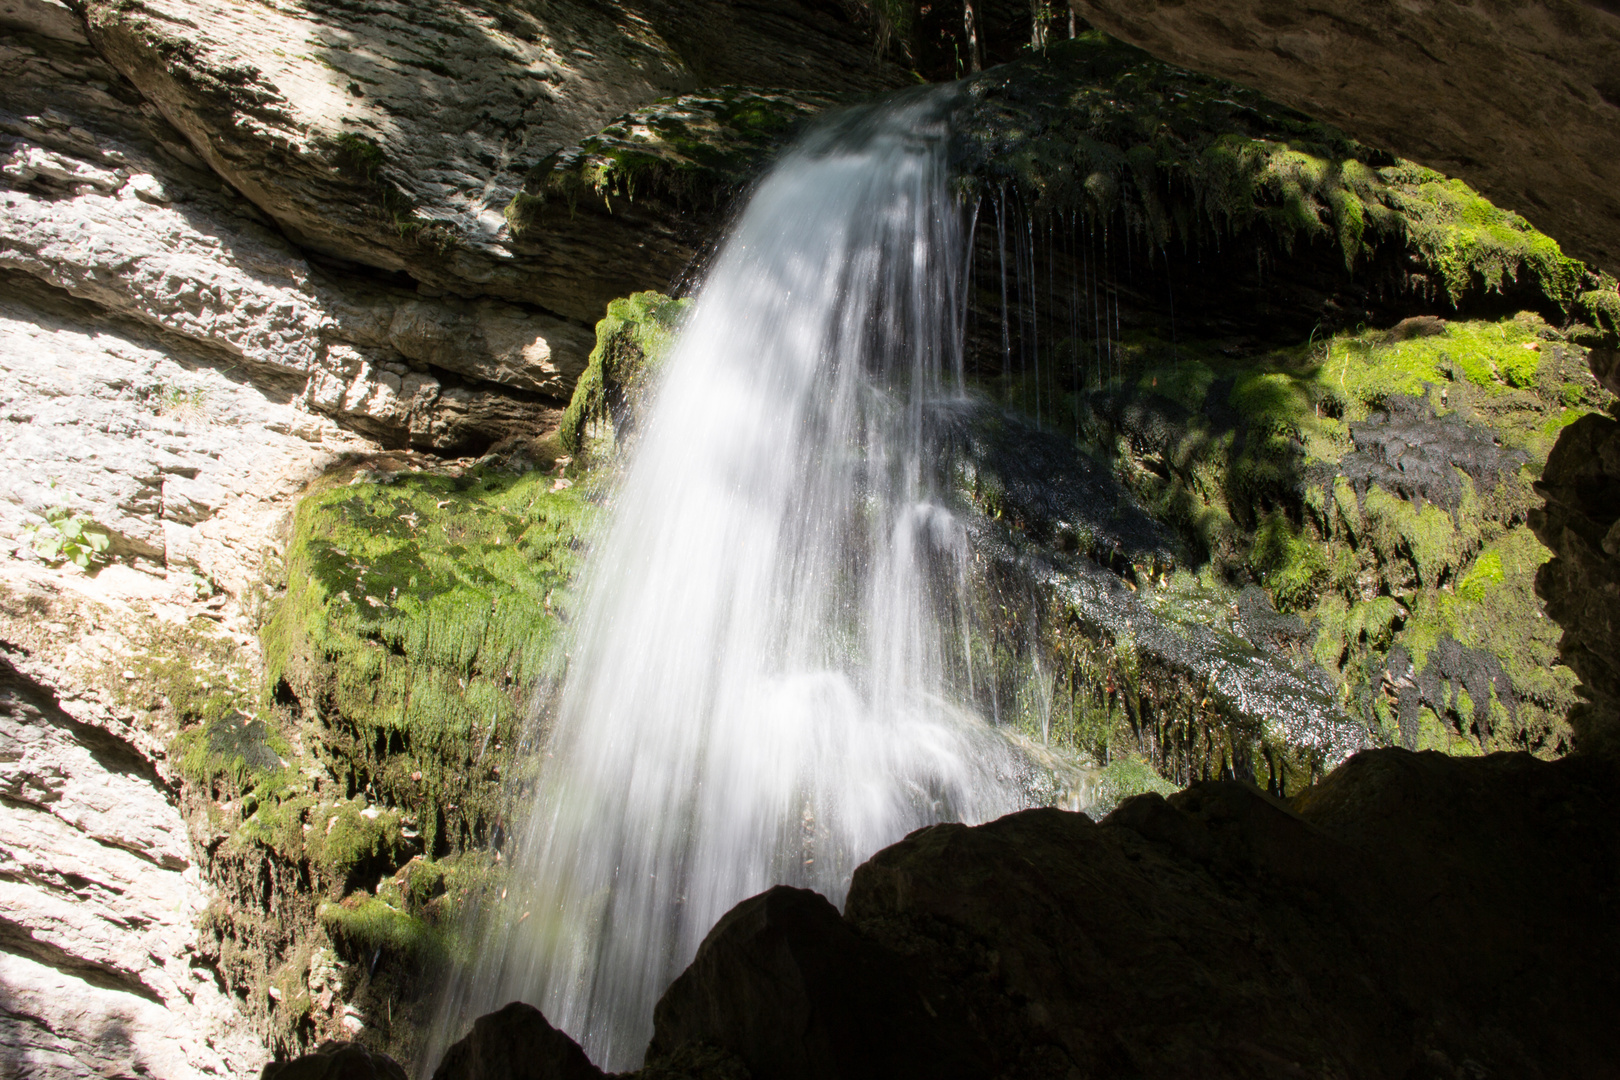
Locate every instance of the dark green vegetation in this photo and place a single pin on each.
(422, 608)
(1376, 486)
(1330, 376)
(359, 813)
(630, 344)
(1098, 127)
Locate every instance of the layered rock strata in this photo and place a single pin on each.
(101, 968)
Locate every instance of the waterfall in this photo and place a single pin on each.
(771, 673)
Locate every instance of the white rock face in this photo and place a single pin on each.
(395, 133)
(188, 468)
(98, 908)
(240, 243)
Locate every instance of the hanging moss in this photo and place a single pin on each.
(631, 341)
(1376, 485)
(1093, 127)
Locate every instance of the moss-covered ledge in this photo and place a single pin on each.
(1192, 168)
(362, 803)
(636, 205)
(1359, 505)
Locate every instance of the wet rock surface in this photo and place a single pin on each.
(1407, 449)
(1039, 481)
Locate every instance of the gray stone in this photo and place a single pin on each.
(100, 968)
(395, 135)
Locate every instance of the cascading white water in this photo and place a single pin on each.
(771, 671)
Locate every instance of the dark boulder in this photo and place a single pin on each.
(1413, 915)
(516, 1043)
(794, 991)
(1581, 583)
(336, 1061)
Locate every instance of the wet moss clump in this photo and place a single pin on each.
(365, 801)
(420, 613)
(1097, 129)
(631, 342)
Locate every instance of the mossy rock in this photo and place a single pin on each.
(420, 614)
(1377, 486)
(697, 149)
(631, 343)
(1095, 128)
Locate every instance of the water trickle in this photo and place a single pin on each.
(771, 672)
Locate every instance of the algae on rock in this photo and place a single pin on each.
(369, 800)
(631, 343)
(1098, 128)
(1377, 486)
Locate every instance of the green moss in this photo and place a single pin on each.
(631, 341)
(363, 926)
(362, 160)
(419, 616)
(1097, 127)
(1601, 306)
(229, 745)
(1470, 241)
(1124, 777)
(1485, 575)
(1293, 566)
(1263, 498)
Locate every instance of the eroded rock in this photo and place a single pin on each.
(101, 969)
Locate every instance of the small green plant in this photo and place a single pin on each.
(65, 536)
(180, 401)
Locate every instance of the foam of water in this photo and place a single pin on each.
(768, 676)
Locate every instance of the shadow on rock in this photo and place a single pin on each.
(1413, 916)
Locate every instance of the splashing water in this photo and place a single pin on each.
(770, 670)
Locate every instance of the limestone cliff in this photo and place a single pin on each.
(241, 244)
